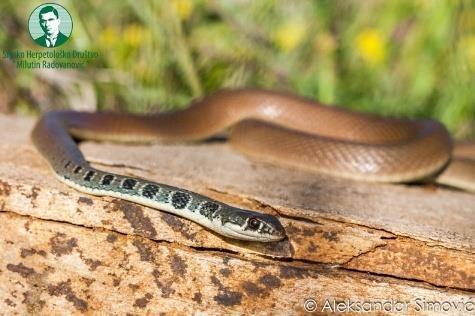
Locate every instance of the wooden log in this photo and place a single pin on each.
(65, 251)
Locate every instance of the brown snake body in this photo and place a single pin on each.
(270, 126)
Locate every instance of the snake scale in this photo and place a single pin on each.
(270, 126)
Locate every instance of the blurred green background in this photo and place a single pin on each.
(411, 58)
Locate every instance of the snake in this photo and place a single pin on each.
(270, 126)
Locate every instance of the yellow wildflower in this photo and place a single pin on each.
(183, 8)
(109, 36)
(289, 35)
(134, 35)
(370, 46)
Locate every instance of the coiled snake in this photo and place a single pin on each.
(267, 125)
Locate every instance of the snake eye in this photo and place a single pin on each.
(254, 223)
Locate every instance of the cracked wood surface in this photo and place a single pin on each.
(410, 241)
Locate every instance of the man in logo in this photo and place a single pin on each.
(49, 22)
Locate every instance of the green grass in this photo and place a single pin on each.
(405, 57)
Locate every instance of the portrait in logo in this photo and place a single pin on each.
(50, 25)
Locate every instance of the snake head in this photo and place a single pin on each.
(247, 225)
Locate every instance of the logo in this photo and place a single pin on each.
(50, 25)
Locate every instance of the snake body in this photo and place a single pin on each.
(270, 126)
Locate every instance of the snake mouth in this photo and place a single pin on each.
(238, 234)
